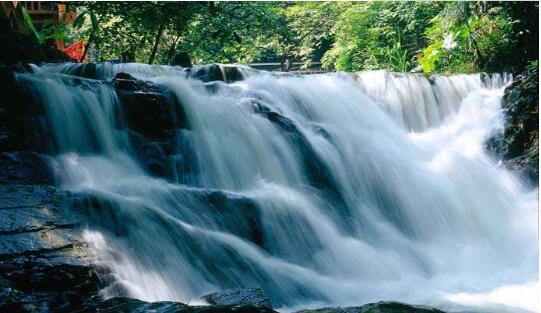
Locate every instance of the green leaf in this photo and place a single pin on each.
(79, 20)
(94, 20)
(430, 56)
(28, 22)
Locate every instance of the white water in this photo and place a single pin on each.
(359, 209)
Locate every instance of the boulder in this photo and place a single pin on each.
(248, 296)
(216, 72)
(148, 109)
(181, 59)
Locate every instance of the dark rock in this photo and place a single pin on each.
(232, 74)
(20, 196)
(126, 82)
(233, 213)
(518, 146)
(19, 48)
(316, 169)
(236, 214)
(249, 296)
(217, 72)
(25, 168)
(86, 70)
(31, 219)
(44, 263)
(181, 59)
(380, 307)
(20, 114)
(125, 305)
(147, 108)
(152, 154)
(208, 73)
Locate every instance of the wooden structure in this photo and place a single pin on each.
(41, 13)
(294, 67)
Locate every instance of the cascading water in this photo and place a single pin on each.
(335, 189)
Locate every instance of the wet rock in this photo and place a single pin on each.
(126, 82)
(216, 72)
(153, 155)
(20, 196)
(249, 296)
(518, 146)
(33, 219)
(44, 263)
(380, 307)
(148, 109)
(233, 213)
(317, 170)
(25, 168)
(20, 114)
(86, 70)
(125, 305)
(208, 73)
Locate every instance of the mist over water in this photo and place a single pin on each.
(334, 189)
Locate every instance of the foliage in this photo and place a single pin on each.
(48, 31)
(309, 26)
(347, 36)
(230, 32)
(376, 35)
(122, 28)
(467, 37)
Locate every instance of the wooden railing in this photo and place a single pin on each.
(40, 7)
(295, 67)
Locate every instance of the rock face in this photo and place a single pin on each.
(518, 146)
(152, 117)
(24, 167)
(44, 263)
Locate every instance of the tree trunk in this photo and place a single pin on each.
(91, 38)
(156, 43)
(172, 49)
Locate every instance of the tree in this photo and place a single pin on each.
(481, 36)
(380, 35)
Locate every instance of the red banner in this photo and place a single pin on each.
(75, 51)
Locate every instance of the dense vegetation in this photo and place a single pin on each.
(433, 37)
(349, 36)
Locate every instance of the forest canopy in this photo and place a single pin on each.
(423, 36)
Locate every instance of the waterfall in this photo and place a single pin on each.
(332, 189)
